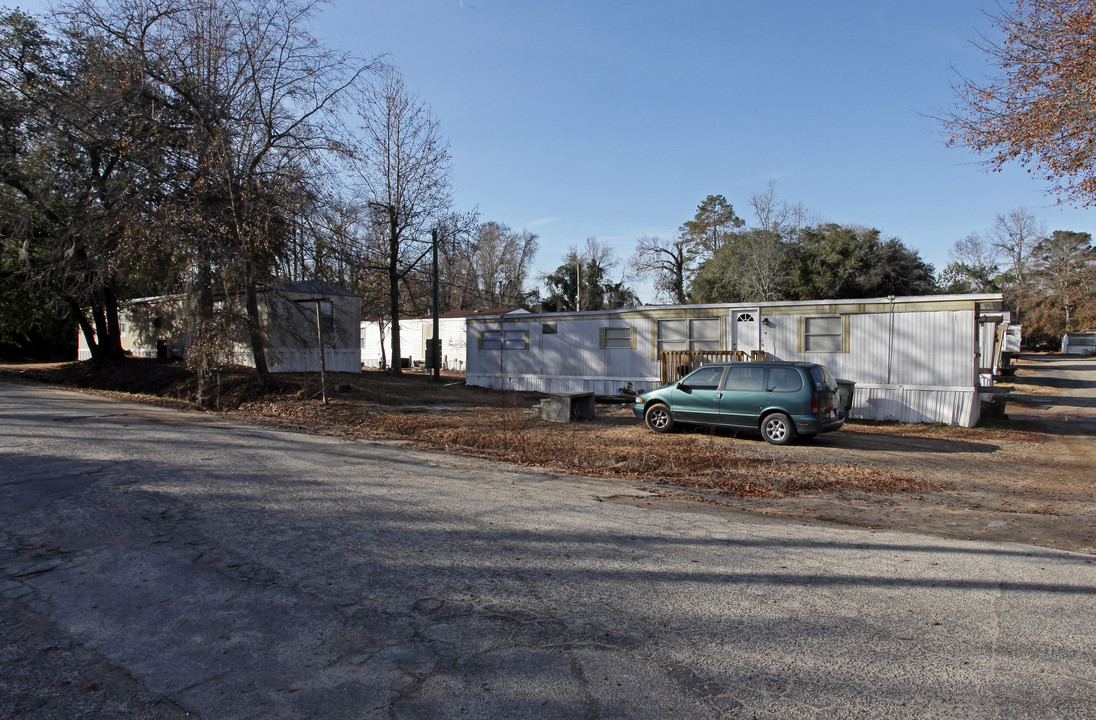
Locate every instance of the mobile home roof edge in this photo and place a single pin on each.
(903, 299)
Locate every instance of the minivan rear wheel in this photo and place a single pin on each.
(777, 428)
(659, 418)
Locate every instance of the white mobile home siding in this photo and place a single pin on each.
(568, 360)
(411, 341)
(288, 318)
(413, 336)
(913, 359)
(913, 348)
(1079, 343)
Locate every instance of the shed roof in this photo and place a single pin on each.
(315, 287)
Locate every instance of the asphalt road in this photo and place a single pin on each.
(155, 564)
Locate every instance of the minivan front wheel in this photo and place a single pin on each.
(777, 428)
(659, 418)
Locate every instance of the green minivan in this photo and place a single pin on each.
(780, 399)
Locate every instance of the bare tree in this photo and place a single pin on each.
(1066, 264)
(499, 260)
(402, 167)
(583, 281)
(670, 263)
(973, 266)
(1015, 235)
(260, 99)
(975, 251)
(780, 216)
(751, 266)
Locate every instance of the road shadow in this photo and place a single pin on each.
(1043, 401)
(1057, 383)
(851, 439)
(1073, 427)
(1072, 363)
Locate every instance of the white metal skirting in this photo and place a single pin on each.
(562, 383)
(85, 354)
(898, 403)
(916, 404)
(291, 360)
(279, 359)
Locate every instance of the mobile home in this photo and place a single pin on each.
(157, 327)
(913, 359)
(376, 338)
(1079, 343)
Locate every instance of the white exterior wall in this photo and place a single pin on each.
(370, 346)
(907, 348)
(907, 366)
(569, 360)
(1013, 338)
(915, 364)
(1082, 343)
(413, 336)
(288, 319)
(904, 403)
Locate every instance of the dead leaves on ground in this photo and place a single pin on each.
(614, 447)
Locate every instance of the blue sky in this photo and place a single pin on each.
(615, 119)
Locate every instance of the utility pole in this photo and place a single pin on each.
(578, 282)
(435, 351)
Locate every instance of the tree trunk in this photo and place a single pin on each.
(204, 313)
(384, 355)
(85, 327)
(394, 291)
(255, 330)
(102, 333)
(114, 330)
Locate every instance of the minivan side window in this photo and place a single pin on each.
(706, 378)
(745, 378)
(785, 380)
(821, 376)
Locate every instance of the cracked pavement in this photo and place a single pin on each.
(164, 565)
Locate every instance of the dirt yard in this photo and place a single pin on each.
(1028, 478)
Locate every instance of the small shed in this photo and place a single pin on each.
(912, 359)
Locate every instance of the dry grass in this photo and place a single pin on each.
(614, 445)
(497, 425)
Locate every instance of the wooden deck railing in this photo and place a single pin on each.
(676, 364)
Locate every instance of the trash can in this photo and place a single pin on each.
(844, 390)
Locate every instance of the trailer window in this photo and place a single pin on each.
(823, 334)
(504, 340)
(693, 334)
(618, 337)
